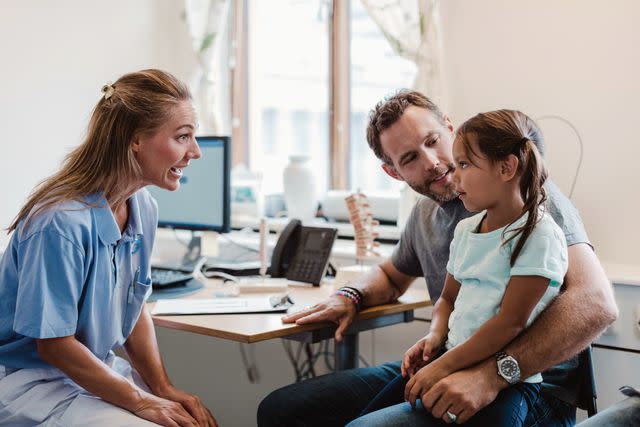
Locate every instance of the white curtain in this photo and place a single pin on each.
(412, 27)
(207, 20)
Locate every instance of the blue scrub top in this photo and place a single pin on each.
(71, 272)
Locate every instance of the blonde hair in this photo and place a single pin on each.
(502, 133)
(136, 104)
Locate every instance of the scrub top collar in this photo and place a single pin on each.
(108, 227)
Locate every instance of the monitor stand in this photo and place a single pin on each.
(192, 258)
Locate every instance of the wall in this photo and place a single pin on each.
(574, 58)
(56, 56)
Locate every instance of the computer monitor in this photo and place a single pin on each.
(202, 201)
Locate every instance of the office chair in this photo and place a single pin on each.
(587, 394)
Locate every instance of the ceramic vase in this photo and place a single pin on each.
(300, 189)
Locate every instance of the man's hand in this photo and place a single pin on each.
(420, 354)
(337, 309)
(465, 392)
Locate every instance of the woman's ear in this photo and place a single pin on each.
(509, 167)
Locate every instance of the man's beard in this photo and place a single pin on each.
(423, 188)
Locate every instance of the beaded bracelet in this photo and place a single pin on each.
(353, 294)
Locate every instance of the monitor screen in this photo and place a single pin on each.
(202, 201)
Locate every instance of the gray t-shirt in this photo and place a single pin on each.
(423, 251)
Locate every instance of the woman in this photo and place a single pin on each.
(76, 273)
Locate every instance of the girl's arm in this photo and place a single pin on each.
(443, 308)
(424, 350)
(520, 298)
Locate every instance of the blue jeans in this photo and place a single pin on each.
(339, 398)
(624, 413)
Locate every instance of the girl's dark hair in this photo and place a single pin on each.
(502, 133)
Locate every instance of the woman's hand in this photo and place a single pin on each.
(174, 408)
(193, 405)
(420, 354)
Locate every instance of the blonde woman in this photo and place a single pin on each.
(75, 276)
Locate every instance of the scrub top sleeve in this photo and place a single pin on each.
(51, 277)
(543, 254)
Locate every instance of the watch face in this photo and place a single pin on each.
(509, 368)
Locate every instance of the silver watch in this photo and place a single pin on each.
(508, 367)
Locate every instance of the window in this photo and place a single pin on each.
(288, 87)
(376, 71)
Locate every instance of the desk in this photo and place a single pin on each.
(250, 328)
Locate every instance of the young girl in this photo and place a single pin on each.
(75, 276)
(505, 266)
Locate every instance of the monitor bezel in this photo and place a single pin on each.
(225, 227)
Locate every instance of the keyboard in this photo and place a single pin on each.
(163, 279)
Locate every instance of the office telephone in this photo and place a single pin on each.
(302, 253)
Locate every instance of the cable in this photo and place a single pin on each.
(233, 242)
(177, 236)
(580, 145)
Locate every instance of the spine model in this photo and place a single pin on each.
(363, 224)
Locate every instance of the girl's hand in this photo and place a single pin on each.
(426, 378)
(420, 354)
(174, 408)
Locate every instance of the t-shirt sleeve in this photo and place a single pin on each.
(453, 246)
(566, 216)
(543, 254)
(50, 285)
(404, 256)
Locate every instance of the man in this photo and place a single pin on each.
(414, 141)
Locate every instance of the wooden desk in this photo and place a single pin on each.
(250, 328)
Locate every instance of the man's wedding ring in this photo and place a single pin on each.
(452, 417)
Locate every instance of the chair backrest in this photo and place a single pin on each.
(587, 394)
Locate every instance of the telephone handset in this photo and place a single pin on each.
(302, 253)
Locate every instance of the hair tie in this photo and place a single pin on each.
(524, 140)
(108, 90)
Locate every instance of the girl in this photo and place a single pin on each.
(505, 266)
(75, 276)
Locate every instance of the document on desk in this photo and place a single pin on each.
(261, 304)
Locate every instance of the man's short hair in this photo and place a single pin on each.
(389, 111)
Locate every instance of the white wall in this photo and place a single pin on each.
(575, 58)
(55, 58)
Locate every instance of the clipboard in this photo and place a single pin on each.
(258, 304)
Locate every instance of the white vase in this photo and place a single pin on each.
(300, 189)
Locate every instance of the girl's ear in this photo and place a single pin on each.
(136, 145)
(509, 167)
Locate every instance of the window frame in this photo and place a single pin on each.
(339, 89)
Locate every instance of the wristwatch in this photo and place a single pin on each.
(508, 367)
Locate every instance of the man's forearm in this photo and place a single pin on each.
(381, 286)
(573, 320)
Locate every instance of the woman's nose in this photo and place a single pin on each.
(194, 151)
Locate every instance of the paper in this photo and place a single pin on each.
(263, 304)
